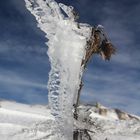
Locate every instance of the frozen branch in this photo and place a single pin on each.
(71, 45)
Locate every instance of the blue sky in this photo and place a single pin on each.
(24, 65)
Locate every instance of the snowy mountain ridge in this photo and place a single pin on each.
(35, 122)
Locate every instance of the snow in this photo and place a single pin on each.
(108, 126)
(113, 137)
(110, 116)
(67, 42)
(20, 121)
(26, 122)
(39, 109)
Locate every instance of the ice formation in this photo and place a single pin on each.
(67, 42)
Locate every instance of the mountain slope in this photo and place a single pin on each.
(20, 122)
(109, 124)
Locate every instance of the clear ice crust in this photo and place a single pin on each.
(67, 42)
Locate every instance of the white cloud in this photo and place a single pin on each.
(14, 86)
(9, 78)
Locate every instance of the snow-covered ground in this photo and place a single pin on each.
(26, 122)
(20, 122)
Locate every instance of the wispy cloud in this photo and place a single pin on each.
(23, 60)
(112, 100)
(116, 88)
(22, 88)
(15, 51)
(19, 81)
(8, 77)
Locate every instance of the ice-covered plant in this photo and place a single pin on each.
(70, 46)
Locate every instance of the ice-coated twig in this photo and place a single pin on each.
(67, 46)
(71, 45)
